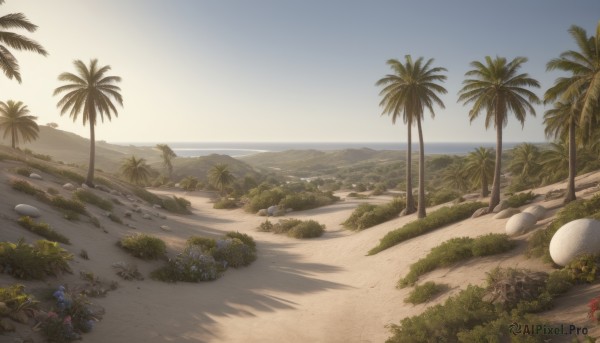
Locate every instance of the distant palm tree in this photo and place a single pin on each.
(220, 177)
(584, 69)
(8, 62)
(496, 88)
(561, 122)
(15, 120)
(480, 168)
(90, 93)
(408, 91)
(555, 162)
(525, 161)
(167, 155)
(136, 170)
(455, 176)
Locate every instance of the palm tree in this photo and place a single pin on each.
(136, 170)
(525, 161)
(480, 168)
(455, 176)
(167, 155)
(562, 121)
(220, 177)
(496, 88)
(89, 93)
(15, 120)
(8, 62)
(408, 91)
(555, 161)
(584, 69)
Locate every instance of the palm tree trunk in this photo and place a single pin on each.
(495, 198)
(421, 211)
(484, 185)
(572, 163)
(410, 200)
(13, 134)
(90, 176)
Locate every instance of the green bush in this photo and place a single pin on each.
(307, 229)
(88, 196)
(52, 191)
(25, 187)
(306, 201)
(357, 195)
(193, 265)
(147, 196)
(520, 199)
(68, 205)
(24, 171)
(71, 175)
(425, 292)
(443, 196)
(25, 261)
(206, 244)
(539, 242)
(232, 252)
(144, 246)
(266, 226)
(367, 215)
(258, 200)
(113, 217)
(559, 282)
(433, 221)
(246, 239)
(42, 229)
(176, 205)
(189, 183)
(456, 250)
(583, 269)
(15, 299)
(225, 203)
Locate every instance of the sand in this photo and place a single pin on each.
(317, 290)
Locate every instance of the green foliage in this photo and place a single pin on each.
(297, 196)
(259, 199)
(367, 215)
(294, 228)
(206, 244)
(233, 252)
(25, 187)
(113, 217)
(68, 205)
(520, 199)
(71, 175)
(52, 191)
(42, 229)
(71, 215)
(357, 195)
(434, 220)
(189, 183)
(539, 242)
(306, 201)
(497, 330)
(559, 282)
(456, 250)
(266, 226)
(88, 196)
(147, 196)
(144, 246)
(24, 171)
(25, 261)
(225, 203)
(176, 205)
(193, 265)
(443, 196)
(425, 292)
(15, 299)
(246, 239)
(583, 269)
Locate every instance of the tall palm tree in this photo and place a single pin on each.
(220, 177)
(525, 161)
(561, 122)
(90, 93)
(497, 88)
(408, 91)
(8, 62)
(455, 176)
(15, 120)
(480, 168)
(584, 68)
(167, 155)
(555, 161)
(136, 170)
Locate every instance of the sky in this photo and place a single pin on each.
(283, 70)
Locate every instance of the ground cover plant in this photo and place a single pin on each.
(297, 196)
(225, 203)
(455, 250)
(69, 319)
(368, 215)
(518, 200)
(143, 246)
(89, 197)
(433, 221)
(42, 229)
(294, 228)
(33, 261)
(425, 292)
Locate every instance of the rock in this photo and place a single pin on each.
(85, 186)
(137, 210)
(113, 192)
(555, 194)
(402, 213)
(27, 210)
(507, 213)
(537, 210)
(35, 176)
(128, 214)
(165, 228)
(157, 206)
(520, 223)
(262, 212)
(501, 206)
(575, 238)
(156, 214)
(69, 186)
(131, 226)
(162, 216)
(146, 216)
(271, 210)
(480, 212)
(6, 325)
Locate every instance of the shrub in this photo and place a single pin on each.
(357, 195)
(425, 292)
(42, 229)
(225, 203)
(206, 244)
(68, 205)
(367, 215)
(508, 287)
(113, 217)
(25, 187)
(52, 191)
(88, 196)
(189, 183)
(307, 229)
(24, 171)
(520, 199)
(435, 220)
(285, 225)
(71, 215)
(193, 265)
(71, 175)
(443, 196)
(71, 317)
(176, 205)
(491, 244)
(25, 261)
(263, 199)
(127, 271)
(144, 246)
(583, 269)
(147, 196)
(266, 226)
(305, 201)
(232, 252)
(246, 239)
(16, 300)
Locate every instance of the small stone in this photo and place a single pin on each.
(35, 176)
(113, 192)
(131, 226)
(262, 212)
(156, 214)
(69, 186)
(537, 210)
(501, 206)
(85, 186)
(480, 212)
(162, 216)
(146, 216)
(27, 210)
(507, 213)
(520, 223)
(128, 214)
(165, 228)
(157, 206)
(137, 210)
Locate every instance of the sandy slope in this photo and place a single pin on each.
(318, 290)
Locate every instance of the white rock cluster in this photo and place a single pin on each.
(575, 238)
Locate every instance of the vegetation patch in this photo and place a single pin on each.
(144, 246)
(89, 197)
(456, 250)
(42, 229)
(294, 228)
(24, 171)
(297, 196)
(443, 196)
(176, 205)
(434, 220)
(68, 204)
(147, 196)
(19, 305)
(225, 203)
(114, 218)
(425, 292)
(520, 199)
(25, 187)
(70, 317)
(368, 215)
(26, 261)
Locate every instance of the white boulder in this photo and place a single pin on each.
(262, 212)
(27, 210)
(480, 212)
(537, 210)
(501, 206)
(519, 224)
(69, 186)
(272, 210)
(507, 213)
(575, 238)
(35, 176)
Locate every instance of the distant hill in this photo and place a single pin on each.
(199, 166)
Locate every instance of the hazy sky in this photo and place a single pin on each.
(282, 70)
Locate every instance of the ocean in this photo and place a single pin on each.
(240, 149)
